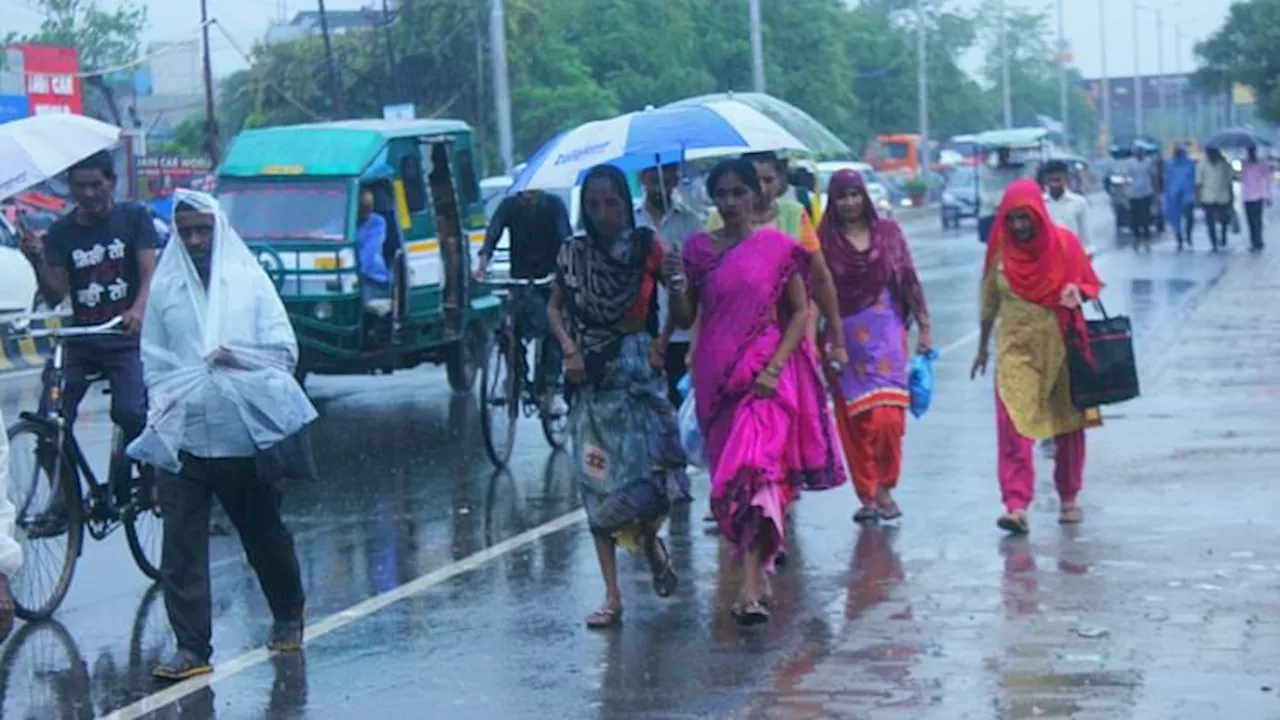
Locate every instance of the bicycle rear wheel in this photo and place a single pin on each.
(143, 526)
(49, 549)
(500, 397)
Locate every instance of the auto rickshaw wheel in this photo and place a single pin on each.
(464, 358)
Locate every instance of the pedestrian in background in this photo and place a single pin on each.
(218, 358)
(1216, 195)
(880, 296)
(10, 551)
(1067, 208)
(1255, 179)
(629, 464)
(1180, 196)
(1142, 178)
(674, 222)
(1035, 277)
(760, 401)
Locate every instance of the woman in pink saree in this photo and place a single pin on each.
(761, 403)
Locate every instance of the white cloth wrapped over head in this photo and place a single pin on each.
(215, 355)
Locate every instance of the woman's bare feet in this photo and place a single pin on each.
(889, 509)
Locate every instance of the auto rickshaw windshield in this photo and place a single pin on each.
(295, 210)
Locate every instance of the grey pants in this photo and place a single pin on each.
(253, 506)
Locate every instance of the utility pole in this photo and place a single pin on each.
(1161, 89)
(1006, 91)
(501, 91)
(335, 85)
(1106, 80)
(757, 47)
(1138, 128)
(393, 78)
(210, 110)
(1063, 107)
(922, 85)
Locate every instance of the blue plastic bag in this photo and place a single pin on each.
(690, 431)
(920, 382)
(685, 386)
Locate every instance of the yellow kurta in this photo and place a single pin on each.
(1031, 362)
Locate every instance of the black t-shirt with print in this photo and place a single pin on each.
(101, 260)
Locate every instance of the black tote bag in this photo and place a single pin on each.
(1112, 377)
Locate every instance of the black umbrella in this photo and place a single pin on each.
(1236, 139)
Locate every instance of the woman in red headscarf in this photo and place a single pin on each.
(1035, 278)
(879, 295)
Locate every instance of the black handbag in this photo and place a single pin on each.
(1112, 377)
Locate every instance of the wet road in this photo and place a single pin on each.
(439, 589)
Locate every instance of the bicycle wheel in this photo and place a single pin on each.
(143, 526)
(49, 551)
(43, 675)
(499, 397)
(555, 425)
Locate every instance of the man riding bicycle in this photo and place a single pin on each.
(101, 255)
(538, 224)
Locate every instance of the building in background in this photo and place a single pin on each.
(307, 24)
(165, 90)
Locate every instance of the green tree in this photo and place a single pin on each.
(1245, 50)
(105, 39)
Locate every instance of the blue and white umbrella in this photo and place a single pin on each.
(642, 139)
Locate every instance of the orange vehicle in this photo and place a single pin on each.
(895, 154)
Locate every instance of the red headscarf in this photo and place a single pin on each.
(1038, 270)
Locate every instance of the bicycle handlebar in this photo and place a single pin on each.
(106, 328)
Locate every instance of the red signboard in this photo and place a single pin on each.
(52, 78)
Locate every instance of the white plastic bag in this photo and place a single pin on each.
(691, 433)
(230, 340)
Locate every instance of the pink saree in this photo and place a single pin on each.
(757, 448)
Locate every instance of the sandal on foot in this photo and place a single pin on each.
(1071, 515)
(751, 613)
(867, 514)
(665, 581)
(608, 616)
(1015, 523)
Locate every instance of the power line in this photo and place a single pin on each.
(267, 81)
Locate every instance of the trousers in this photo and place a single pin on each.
(1017, 467)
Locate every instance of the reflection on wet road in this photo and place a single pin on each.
(437, 588)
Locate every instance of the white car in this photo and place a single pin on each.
(876, 188)
(17, 278)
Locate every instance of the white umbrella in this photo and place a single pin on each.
(37, 148)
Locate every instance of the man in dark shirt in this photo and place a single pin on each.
(538, 224)
(101, 255)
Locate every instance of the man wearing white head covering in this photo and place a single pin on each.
(218, 356)
(10, 551)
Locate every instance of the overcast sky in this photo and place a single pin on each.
(247, 20)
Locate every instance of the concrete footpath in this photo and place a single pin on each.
(1164, 604)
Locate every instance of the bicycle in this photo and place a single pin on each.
(506, 391)
(55, 510)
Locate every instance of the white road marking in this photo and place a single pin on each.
(360, 610)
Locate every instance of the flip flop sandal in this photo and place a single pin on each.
(1071, 515)
(1015, 524)
(605, 618)
(665, 581)
(890, 511)
(866, 514)
(752, 613)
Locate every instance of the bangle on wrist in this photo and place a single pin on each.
(772, 370)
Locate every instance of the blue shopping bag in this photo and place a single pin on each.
(690, 431)
(920, 382)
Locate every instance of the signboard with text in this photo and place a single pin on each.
(52, 79)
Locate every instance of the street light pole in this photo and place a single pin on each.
(335, 85)
(1161, 90)
(1137, 78)
(1063, 108)
(1004, 68)
(210, 109)
(757, 46)
(1106, 80)
(501, 90)
(922, 84)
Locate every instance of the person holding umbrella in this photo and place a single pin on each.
(1255, 177)
(1216, 194)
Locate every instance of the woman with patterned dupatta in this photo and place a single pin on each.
(760, 400)
(629, 463)
(1035, 278)
(880, 296)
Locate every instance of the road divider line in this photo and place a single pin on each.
(342, 618)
